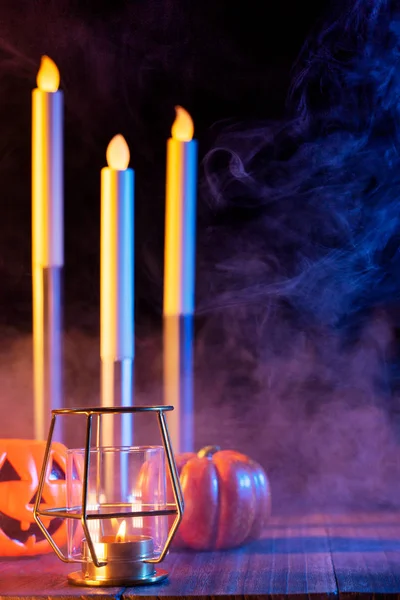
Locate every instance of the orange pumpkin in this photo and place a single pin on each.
(227, 499)
(20, 467)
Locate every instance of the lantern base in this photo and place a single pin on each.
(77, 578)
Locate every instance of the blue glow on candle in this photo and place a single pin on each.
(125, 311)
(125, 308)
(126, 421)
(186, 408)
(189, 228)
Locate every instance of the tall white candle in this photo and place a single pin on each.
(117, 286)
(117, 254)
(180, 217)
(47, 242)
(179, 280)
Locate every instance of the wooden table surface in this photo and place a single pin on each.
(318, 555)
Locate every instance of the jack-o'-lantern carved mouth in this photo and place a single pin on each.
(12, 529)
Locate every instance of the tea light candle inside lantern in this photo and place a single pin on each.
(124, 557)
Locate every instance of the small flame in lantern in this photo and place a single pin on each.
(121, 532)
(48, 77)
(182, 128)
(118, 154)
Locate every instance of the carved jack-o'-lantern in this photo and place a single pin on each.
(20, 466)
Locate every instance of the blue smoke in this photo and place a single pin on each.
(319, 191)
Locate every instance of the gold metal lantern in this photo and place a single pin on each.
(116, 509)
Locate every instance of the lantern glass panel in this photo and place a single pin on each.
(121, 481)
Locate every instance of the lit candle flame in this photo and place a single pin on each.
(118, 154)
(48, 77)
(121, 532)
(182, 128)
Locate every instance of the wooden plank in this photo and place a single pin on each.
(39, 578)
(288, 561)
(366, 553)
(299, 556)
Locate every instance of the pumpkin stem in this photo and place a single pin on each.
(208, 451)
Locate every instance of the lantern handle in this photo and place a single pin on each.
(176, 487)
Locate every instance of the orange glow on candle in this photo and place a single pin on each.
(48, 77)
(182, 128)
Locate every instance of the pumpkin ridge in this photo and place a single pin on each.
(218, 511)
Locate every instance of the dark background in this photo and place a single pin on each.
(296, 355)
(124, 66)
